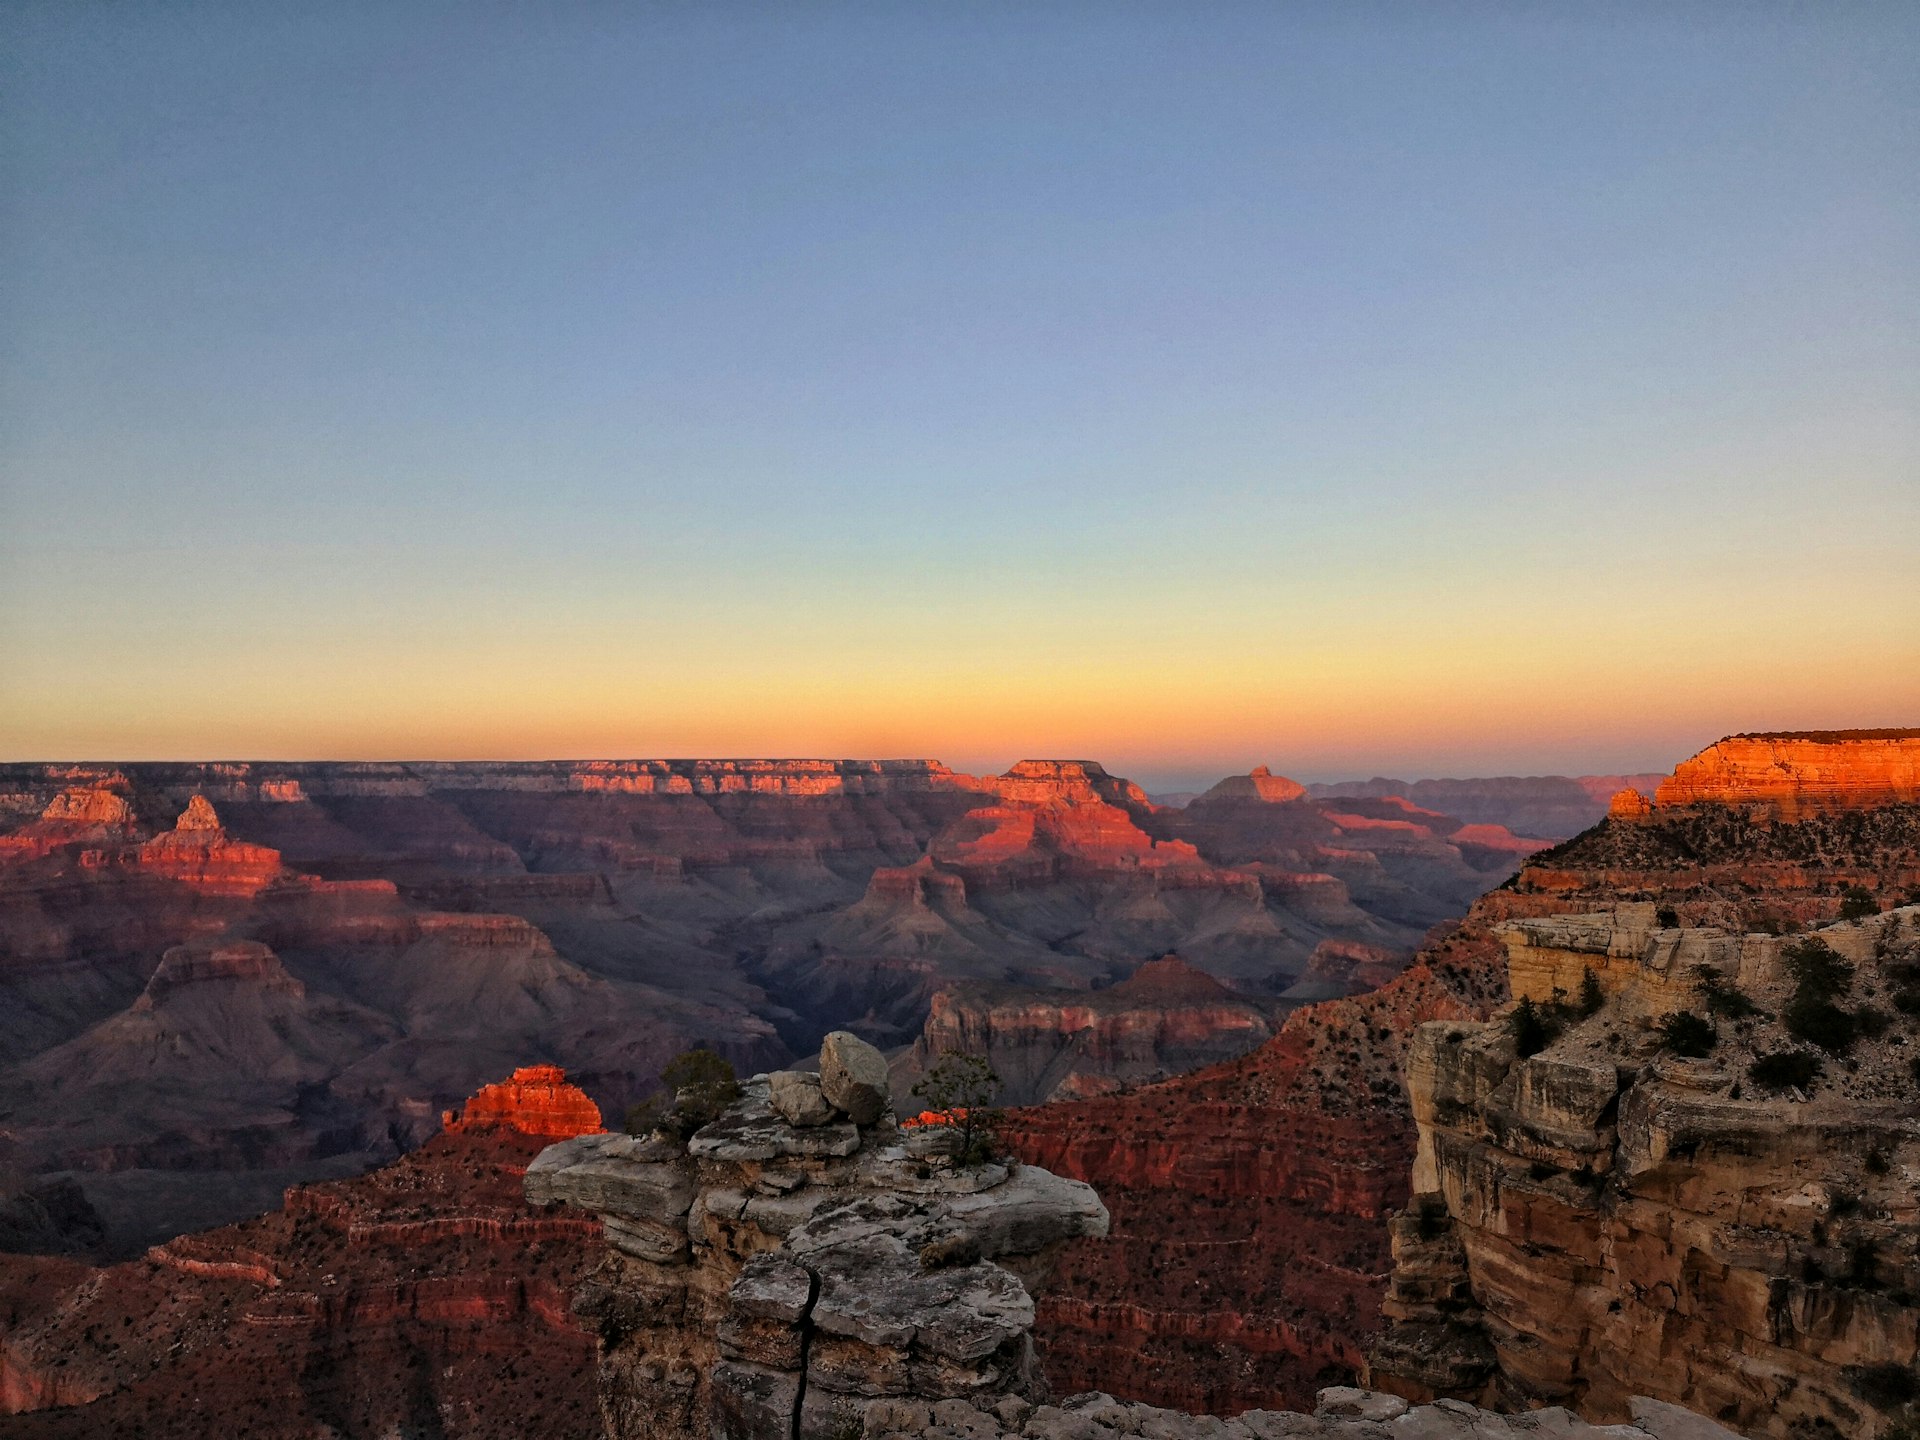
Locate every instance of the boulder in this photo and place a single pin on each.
(797, 1097)
(853, 1076)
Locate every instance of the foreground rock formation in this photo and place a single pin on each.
(772, 1279)
(1340, 1413)
(1606, 1217)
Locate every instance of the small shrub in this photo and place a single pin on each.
(1876, 1163)
(1884, 1386)
(1721, 998)
(1786, 1069)
(963, 1088)
(1818, 971)
(1592, 997)
(1532, 1030)
(949, 1252)
(696, 1086)
(1688, 1034)
(1857, 903)
(1822, 1023)
(1667, 918)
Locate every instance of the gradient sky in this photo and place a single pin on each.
(1421, 389)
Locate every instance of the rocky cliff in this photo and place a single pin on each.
(1697, 1185)
(418, 929)
(534, 1100)
(1248, 1250)
(1788, 776)
(1165, 1019)
(785, 1269)
(424, 1298)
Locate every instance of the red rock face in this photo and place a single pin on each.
(1248, 1254)
(1629, 805)
(426, 1297)
(1788, 775)
(535, 1100)
(421, 927)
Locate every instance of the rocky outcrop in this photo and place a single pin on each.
(1165, 1019)
(1340, 1413)
(1261, 784)
(1789, 775)
(535, 1100)
(198, 852)
(426, 1297)
(1248, 1250)
(1726, 1223)
(771, 1280)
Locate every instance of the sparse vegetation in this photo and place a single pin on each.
(963, 1089)
(1533, 1030)
(696, 1086)
(1721, 998)
(1688, 1034)
(1786, 1070)
(1820, 978)
(1857, 903)
(1592, 996)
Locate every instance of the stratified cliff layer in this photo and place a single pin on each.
(228, 970)
(785, 1270)
(1787, 776)
(1167, 1018)
(1248, 1251)
(424, 1298)
(1719, 1213)
(1248, 1258)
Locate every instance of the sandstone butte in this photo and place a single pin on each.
(1789, 775)
(535, 1100)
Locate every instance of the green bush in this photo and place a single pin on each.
(1532, 1030)
(1721, 998)
(695, 1088)
(964, 1088)
(1688, 1034)
(1786, 1069)
(1592, 997)
(1857, 903)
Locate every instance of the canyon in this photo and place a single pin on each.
(1252, 1241)
(1278, 1222)
(427, 1297)
(220, 979)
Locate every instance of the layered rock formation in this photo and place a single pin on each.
(535, 1100)
(1791, 775)
(1248, 1251)
(1340, 1413)
(427, 927)
(1165, 1019)
(773, 1279)
(1726, 1222)
(426, 1297)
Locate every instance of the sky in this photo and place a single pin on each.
(1350, 388)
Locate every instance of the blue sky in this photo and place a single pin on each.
(1342, 387)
